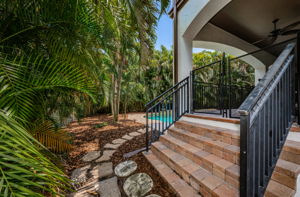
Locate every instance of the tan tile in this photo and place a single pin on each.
(225, 191)
(284, 179)
(211, 182)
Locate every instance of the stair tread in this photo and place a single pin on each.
(203, 177)
(234, 121)
(213, 129)
(276, 189)
(218, 144)
(175, 182)
(288, 168)
(201, 154)
(292, 146)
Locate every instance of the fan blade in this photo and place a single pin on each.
(266, 41)
(291, 32)
(290, 26)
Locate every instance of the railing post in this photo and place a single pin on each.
(191, 91)
(297, 58)
(245, 154)
(147, 131)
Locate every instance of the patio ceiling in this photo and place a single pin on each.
(252, 20)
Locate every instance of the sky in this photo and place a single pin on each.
(164, 32)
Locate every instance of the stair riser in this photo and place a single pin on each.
(196, 184)
(284, 180)
(184, 172)
(203, 162)
(178, 169)
(290, 156)
(190, 155)
(215, 135)
(208, 147)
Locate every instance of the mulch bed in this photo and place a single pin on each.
(86, 138)
(160, 186)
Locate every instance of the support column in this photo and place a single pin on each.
(297, 57)
(185, 57)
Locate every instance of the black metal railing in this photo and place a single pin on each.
(266, 117)
(167, 108)
(206, 90)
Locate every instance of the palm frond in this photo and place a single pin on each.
(56, 140)
(24, 170)
(25, 80)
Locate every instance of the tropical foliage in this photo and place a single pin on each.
(59, 59)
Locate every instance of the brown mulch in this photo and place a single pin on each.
(86, 138)
(160, 186)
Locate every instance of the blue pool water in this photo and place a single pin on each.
(161, 118)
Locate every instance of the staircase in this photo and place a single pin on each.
(199, 156)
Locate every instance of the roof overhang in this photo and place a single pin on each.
(179, 5)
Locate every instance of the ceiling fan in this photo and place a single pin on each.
(272, 37)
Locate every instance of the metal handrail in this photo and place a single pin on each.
(261, 87)
(173, 103)
(165, 92)
(266, 118)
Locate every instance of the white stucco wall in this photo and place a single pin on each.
(191, 19)
(195, 31)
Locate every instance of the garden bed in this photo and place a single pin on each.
(87, 136)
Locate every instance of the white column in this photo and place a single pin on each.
(185, 57)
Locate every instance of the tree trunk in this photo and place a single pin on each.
(116, 81)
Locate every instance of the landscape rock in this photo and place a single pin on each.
(108, 188)
(138, 185)
(134, 134)
(106, 155)
(118, 141)
(112, 146)
(125, 168)
(90, 156)
(142, 131)
(79, 175)
(127, 137)
(102, 170)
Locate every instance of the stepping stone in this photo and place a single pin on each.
(106, 155)
(90, 156)
(108, 188)
(125, 168)
(79, 175)
(112, 146)
(153, 195)
(118, 141)
(142, 131)
(138, 185)
(102, 170)
(134, 134)
(127, 137)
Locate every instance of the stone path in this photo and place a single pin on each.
(99, 178)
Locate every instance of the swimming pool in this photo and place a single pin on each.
(161, 118)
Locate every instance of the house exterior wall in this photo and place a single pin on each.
(195, 31)
(191, 19)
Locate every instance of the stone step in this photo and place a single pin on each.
(200, 179)
(216, 133)
(285, 172)
(178, 185)
(219, 119)
(276, 189)
(223, 150)
(215, 165)
(291, 151)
